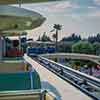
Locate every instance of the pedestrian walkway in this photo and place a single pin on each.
(52, 82)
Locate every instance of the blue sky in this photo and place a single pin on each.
(77, 16)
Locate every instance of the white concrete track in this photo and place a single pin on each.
(64, 89)
(93, 58)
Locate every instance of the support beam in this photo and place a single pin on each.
(23, 1)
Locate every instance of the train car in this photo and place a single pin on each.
(35, 51)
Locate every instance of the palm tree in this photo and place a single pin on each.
(57, 27)
(54, 37)
(19, 2)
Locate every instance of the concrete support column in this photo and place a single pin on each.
(19, 42)
(61, 60)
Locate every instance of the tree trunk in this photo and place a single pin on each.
(56, 40)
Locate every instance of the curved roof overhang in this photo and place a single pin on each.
(14, 18)
(23, 1)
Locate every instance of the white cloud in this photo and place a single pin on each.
(96, 13)
(97, 2)
(91, 7)
(64, 5)
(60, 6)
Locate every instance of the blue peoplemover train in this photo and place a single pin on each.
(40, 50)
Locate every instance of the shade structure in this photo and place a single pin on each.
(14, 18)
(23, 1)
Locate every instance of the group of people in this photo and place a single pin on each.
(95, 70)
(14, 52)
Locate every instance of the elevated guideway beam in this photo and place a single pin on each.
(88, 84)
(62, 88)
(93, 58)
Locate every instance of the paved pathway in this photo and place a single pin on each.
(64, 90)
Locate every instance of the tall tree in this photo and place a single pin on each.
(93, 39)
(96, 46)
(39, 38)
(54, 37)
(44, 38)
(73, 37)
(57, 28)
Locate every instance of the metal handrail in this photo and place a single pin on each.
(91, 79)
(72, 76)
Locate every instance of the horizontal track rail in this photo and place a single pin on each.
(87, 84)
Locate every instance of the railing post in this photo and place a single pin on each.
(1, 48)
(43, 95)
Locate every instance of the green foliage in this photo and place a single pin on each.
(77, 62)
(57, 26)
(73, 37)
(94, 39)
(65, 46)
(83, 47)
(96, 47)
(44, 38)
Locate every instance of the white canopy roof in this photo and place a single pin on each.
(14, 18)
(23, 1)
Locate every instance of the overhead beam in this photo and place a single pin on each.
(23, 1)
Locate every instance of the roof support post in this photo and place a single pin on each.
(1, 48)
